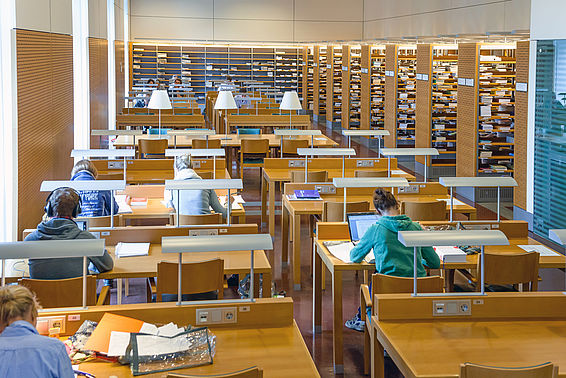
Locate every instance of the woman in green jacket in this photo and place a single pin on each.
(391, 257)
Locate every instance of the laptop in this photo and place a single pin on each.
(358, 224)
(82, 223)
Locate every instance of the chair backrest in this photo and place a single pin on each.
(191, 220)
(289, 146)
(207, 175)
(334, 211)
(246, 131)
(370, 173)
(424, 211)
(511, 269)
(152, 146)
(254, 146)
(201, 143)
(62, 293)
(546, 370)
(313, 176)
(101, 221)
(384, 284)
(198, 277)
(252, 372)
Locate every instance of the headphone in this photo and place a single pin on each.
(49, 208)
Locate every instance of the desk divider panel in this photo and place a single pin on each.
(329, 163)
(513, 229)
(332, 230)
(264, 312)
(424, 188)
(338, 193)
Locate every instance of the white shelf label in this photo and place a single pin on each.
(461, 81)
(470, 82)
(521, 87)
(364, 70)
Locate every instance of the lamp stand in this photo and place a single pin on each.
(159, 124)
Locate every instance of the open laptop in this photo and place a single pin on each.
(358, 224)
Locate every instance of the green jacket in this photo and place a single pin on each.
(392, 257)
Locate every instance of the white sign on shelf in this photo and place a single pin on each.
(328, 66)
(425, 77)
(419, 76)
(470, 82)
(364, 70)
(344, 68)
(461, 81)
(521, 87)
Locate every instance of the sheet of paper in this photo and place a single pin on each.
(123, 207)
(450, 254)
(541, 249)
(398, 172)
(150, 329)
(447, 200)
(132, 249)
(119, 342)
(485, 111)
(155, 346)
(169, 330)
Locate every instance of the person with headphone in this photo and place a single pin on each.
(61, 207)
(94, 203)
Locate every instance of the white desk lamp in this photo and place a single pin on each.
(159, 100)
(290, 102)
(225, 101)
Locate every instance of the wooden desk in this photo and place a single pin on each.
(167, 121)
(279, 170)
(176, 111)
(292, 210)
(265, 336)
(327, 231)
(267, 121)
(505, 329)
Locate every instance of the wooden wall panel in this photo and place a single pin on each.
(120, 74)
(521, 125)
(45, 117)
(391, 96)
(98, 82)
(329, 83)
(315, 81)
(365, 108)
(305, 78)
(423, 122)
(345, 116)
(467, 116)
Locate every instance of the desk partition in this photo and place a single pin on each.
(201, 152)
(426, 152)
(306, 152)
(376, 133)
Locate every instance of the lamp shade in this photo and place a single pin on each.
(224, 101)
(159, 100)
(290, 101)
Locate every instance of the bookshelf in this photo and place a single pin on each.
(316, 85)
(336, 116)
(323, 89)
(351, 87)
(406, 95)
(305, 92)
(377, 87)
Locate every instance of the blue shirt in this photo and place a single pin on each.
(94, 203)
(24, 353)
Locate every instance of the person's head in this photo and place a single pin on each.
(63, 203)
(17, 303)
(85, 165)
(385, 202)
(183, 162)
(177, 81)
(151, 81)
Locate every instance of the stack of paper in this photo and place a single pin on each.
(132, 249)
(123, 206)
(450, 254)
(541, 249)
(447, 200)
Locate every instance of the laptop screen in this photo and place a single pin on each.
(358, 223)
(82, 223)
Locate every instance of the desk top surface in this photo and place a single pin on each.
(271, 349)
(284, 174)
(237, 262)
(493, 343)
(227, 140)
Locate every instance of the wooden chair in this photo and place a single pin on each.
(546, 370)
(198, 277)
(424, 211)
(256, 150)
(67, 292)
(201, 143)
(384, 284)
(152, 148)
(192, 220)
(370, 173)
(252, 372)
(289, 146)
(102, 221)
(511, 269)
(206, 175)
(313, 176)
(334, 211)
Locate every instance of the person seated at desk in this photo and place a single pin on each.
(94, 203)
(391, 257)
(192, 202)
(62, 206)
(23, 352)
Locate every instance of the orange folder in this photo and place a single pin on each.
(100, 338)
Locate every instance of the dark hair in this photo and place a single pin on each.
(151, 81)
(85, 165)
(383, 200)
(64, 201)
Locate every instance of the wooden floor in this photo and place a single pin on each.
(320, 345)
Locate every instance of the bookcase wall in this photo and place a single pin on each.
(316, 87)
(377, 87)
(521, 119)
(406, 95)
(390, 106)
(423, 116)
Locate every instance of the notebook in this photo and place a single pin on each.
(303, 194)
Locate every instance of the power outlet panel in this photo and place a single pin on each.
(204, 232)
(326, 189)
(116, 164)
(411, 189)
(44, 323)
(459, 307)
(364, 163)
(224, 315)
(196, 164)
(296, 163)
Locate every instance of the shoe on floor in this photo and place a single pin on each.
(355, 323)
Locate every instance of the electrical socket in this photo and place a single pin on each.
(409, 189)
(222, 315)
(116, 164)
(296, 163)
(458, 307)
(204, 232)
(326, 189)
(364, 163)
(196, 164)
(44, 323)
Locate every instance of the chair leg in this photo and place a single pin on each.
(367, 350)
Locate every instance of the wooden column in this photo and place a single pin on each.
(365, 107)
(329, 83)
(521, 120)
(98, 86)
(120, 77)
(315, 81)
(391, 96)
(467, 122)
(305, 77)
(423, 116)
(345, 116)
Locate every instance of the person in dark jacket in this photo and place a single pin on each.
(94, 203)
(62, 206)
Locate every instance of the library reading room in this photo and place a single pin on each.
(283, 188)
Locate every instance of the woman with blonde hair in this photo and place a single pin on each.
(23, 352)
